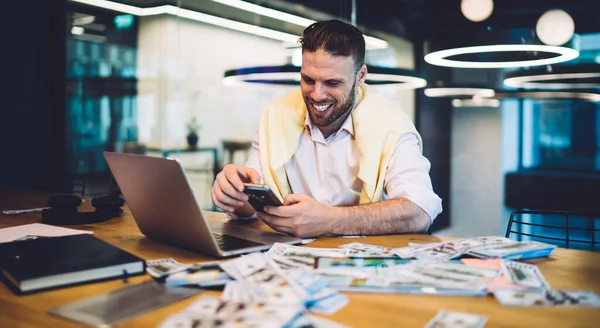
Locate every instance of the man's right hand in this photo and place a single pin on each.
(227, 191)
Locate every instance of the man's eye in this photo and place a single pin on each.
(333, 84)
(309, 81)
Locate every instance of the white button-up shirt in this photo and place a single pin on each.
(327, 169)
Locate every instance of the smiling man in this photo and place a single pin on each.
(340, 155)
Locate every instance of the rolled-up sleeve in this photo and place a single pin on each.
(407, 176)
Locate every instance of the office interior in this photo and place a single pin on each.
(87, 76)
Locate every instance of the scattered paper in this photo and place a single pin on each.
(452, 319)
(34, 230)
(551, 297)
(482, 263)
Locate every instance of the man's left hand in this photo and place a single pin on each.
(300, 216)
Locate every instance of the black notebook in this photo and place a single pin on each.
(43, 263)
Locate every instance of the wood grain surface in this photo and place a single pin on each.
(564, 269)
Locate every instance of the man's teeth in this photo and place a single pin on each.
(321, 108)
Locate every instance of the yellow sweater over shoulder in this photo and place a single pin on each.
(378, 125)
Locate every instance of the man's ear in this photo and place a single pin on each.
(362, 75)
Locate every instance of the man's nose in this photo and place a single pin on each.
(318, 92)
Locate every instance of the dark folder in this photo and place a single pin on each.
(44, 263)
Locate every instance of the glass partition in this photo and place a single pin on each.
(561, 135)
(101, 91)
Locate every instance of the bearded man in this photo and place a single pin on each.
(341, 156)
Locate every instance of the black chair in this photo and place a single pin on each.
(568, 229)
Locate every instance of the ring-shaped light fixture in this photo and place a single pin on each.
(476, 102)
(580, 95)
(496, 48)
(290, 75)
(435, 92)
(580, 76)
(440, 58)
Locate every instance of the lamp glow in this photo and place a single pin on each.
(133, 10)
(193, 15)
(407, 82)
(290, 75)
(371, 42)
(84, 20)
(589, 96)
(267, 12)
(476, 102)
(477, 10)
(439, 58)
(448, 92)
(236, 80)
(555, 27)
(77, 30)
(530, 81)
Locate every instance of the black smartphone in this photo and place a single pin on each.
(260, 195)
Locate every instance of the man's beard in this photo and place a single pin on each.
(336, 113)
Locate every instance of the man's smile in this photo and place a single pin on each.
(321, 108)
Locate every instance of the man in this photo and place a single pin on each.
(353, 165)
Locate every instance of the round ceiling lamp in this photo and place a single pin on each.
(555, 27)
(587, 96)
(440, 58)
(477, 10)
(290, 75)
(497, 49)
(436, 92)
(580, 76)
(476, 102)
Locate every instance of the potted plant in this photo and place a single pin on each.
(192, 128)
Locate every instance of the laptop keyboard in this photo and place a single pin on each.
(229, 243)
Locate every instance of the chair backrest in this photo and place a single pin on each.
(568, 229)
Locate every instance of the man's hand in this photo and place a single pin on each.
(300, 216)
(227, 191)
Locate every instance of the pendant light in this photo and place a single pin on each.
(290, 74)
(579, 76)
(498, 49)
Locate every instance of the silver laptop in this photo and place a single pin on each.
(164, 207)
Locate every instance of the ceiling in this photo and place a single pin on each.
(422, 19)
(416, 20)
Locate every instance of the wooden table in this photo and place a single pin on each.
(566, 269)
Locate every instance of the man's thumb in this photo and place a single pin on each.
(292, 199)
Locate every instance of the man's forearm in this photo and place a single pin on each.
(398, 215)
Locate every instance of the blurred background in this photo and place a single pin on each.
(505, 93)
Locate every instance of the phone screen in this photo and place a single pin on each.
(260, 195)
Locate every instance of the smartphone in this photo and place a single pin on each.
(260, 195)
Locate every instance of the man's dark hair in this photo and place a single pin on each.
(337, 38)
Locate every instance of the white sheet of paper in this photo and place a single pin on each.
(452, 319)
(37, 229)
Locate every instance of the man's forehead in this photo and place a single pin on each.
(334, 67)
(324, 75)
